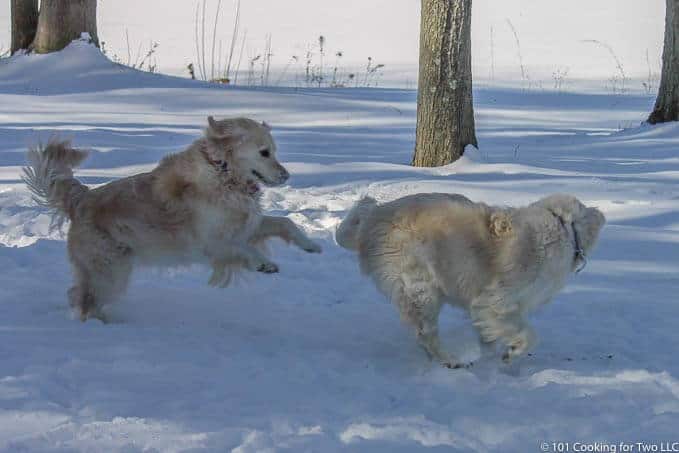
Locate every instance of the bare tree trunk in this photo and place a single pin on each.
(62, 21)
(24, 23)
(667, 103)
(445, 112)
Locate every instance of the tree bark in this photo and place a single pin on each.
(24, 23)
(445, 112)
(62, 21)
(667, 103)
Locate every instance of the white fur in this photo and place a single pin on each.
(496, 263)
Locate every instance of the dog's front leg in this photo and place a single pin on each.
(285, 229)
(504, 324)
(237, 254)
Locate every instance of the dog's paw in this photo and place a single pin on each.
(519, 345)
(511, 353)
(268, 268)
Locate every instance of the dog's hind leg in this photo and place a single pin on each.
(101, 271)
(93, 289)
(82, 299)
(420, 306)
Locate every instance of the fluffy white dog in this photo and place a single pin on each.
(201, 204)
(497, 263)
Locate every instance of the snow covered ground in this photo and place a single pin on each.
(314, 359)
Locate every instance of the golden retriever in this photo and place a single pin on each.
(201, 204)
(496, 263)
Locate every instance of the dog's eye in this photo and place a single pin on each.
(265, 153)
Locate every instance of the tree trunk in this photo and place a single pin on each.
(667, 103)
(62, 21)
(24, 23)
(445, 112)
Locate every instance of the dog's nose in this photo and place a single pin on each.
(284, 175)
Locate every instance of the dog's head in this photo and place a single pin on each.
(248, 149)
(348, 230)
(587, 222)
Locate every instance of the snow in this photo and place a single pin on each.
(313, 358)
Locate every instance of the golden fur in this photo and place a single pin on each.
(496, 263)
(201, 204)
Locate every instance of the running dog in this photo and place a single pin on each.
(199, 205)
(496, 263)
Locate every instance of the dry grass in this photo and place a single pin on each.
(618, 81)
(216, 66)
(143, 59)
(525, 77)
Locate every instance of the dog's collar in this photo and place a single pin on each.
(579, 258)
(220, 165)
(250, 187)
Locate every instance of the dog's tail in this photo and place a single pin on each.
(49, 177)
(348, 230)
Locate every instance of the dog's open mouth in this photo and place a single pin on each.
(259, 176)
(252, 185)
(262, 179)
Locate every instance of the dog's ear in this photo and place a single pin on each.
(225, 130)
(266, 126)
(212, 123)
(567, 207)
(588, 224)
